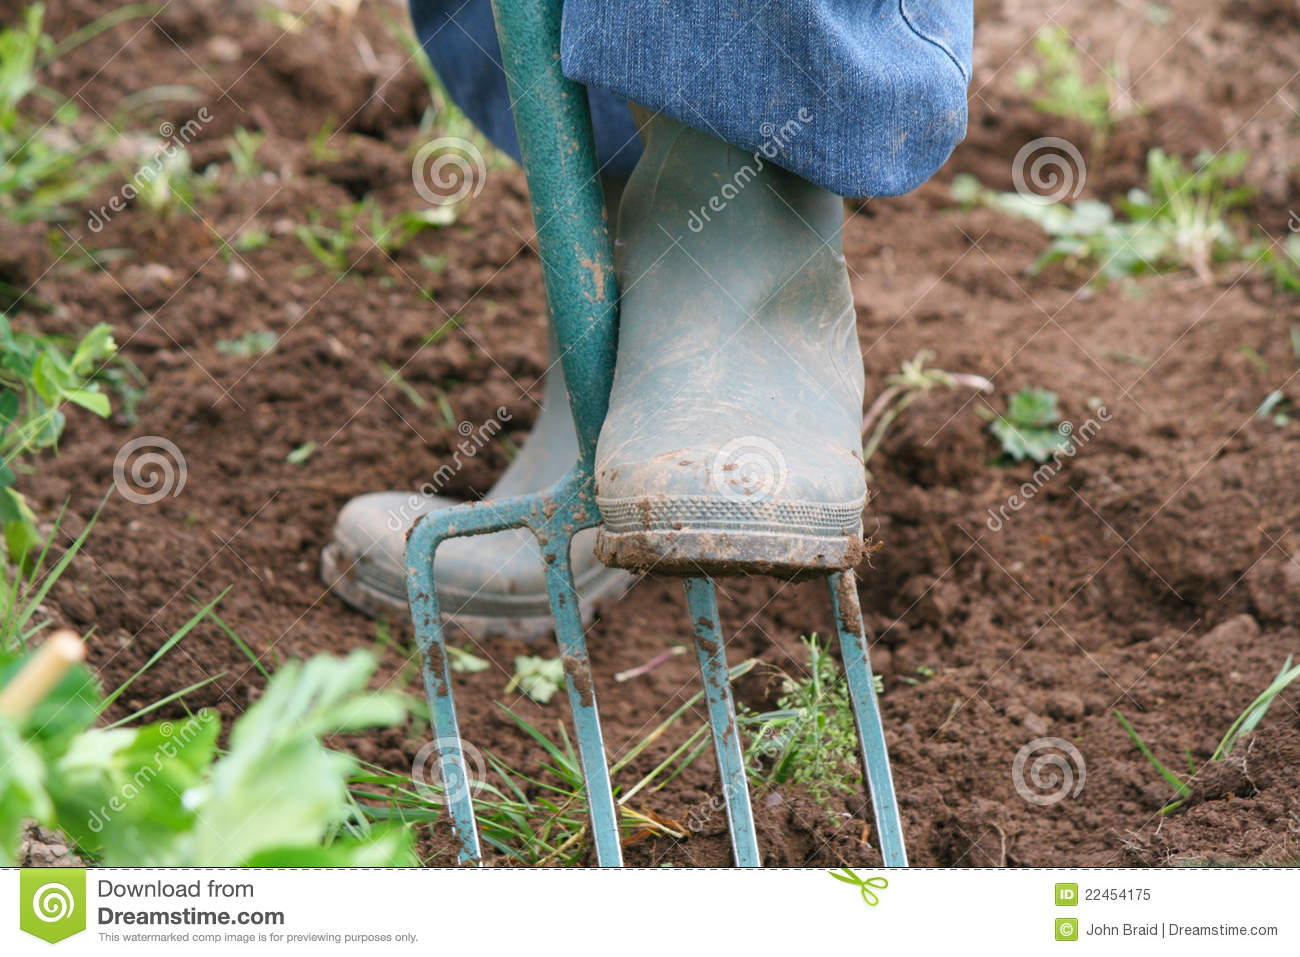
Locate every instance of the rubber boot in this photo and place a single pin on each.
(732, 443)
(487, 584)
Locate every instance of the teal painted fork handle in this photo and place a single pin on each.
(558, 148)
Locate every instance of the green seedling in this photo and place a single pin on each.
(251, 240)
(1278, 260)
(902, 389)
(40, 375)
(255, 343)
(1178, 222)
(363, 227)
(166, 182)
(24, 586)
(395, 379)
(1029, 429)
(243, 153)
(810, 740)
(1277, 407)
(923, 673)
(465, 662)
(538, 678)
(1060, 86)
(46, 173)
(1242, 726)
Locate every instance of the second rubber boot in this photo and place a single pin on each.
(733, 440)
(487, 584)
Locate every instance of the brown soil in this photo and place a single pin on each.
(1158, 573)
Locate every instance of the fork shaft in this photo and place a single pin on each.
(866, 714)
(702, 600)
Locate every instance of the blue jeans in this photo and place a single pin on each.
(861, 97)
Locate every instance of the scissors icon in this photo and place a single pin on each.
(864, 884)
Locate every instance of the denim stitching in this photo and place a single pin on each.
(902, 12)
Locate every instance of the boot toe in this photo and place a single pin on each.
(744, 504)
(489, 584)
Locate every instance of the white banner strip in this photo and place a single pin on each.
(1183, 910)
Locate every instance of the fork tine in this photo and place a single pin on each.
(702, 600)
(457, 786)
(866, 714)
(582, 699)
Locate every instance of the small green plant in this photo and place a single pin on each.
(1060, 86)
(251, 240)
(243, 152)
(45, 171)
(538, 678)
(810, 740)
(162, 795)
(362, 227)
(1280, 260)
(24, 586)
(1243, 725)
(910, 383)
(1178, 222)
(541, 820)
(166, 182)
(1029, 429)
(466, 662)
(923, 673)
(1277, 407)
(255, 343)
(39, 375)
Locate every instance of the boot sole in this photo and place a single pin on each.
(700, 536)
(525, 617)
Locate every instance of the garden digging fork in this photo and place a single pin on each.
(555, 138)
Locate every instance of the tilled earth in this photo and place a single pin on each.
(1158, 573)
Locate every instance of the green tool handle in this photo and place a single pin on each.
(553, 120)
